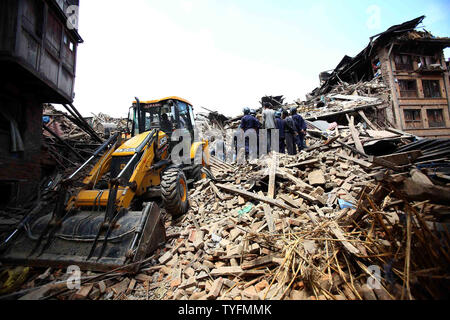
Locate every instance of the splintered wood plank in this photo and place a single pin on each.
(269, 219)
(384, 163)
(339, 234)
(289, 200)
(235, 271)
(256, 197)
(404, 158)
(355, 135)
(285, 174)
(257, 262)
(307, 197)
(362, 163)
(83, 292)
(305, 163)
(369, 123)
(216, 191)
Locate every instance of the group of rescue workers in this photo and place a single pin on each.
(291, 126)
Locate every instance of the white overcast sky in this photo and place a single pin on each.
(222, 55)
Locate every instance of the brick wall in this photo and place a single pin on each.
(21, 172)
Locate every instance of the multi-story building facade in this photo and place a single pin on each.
(38, 49)
(413, 65)
(415, 68)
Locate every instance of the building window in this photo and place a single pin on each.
(33, 13)
(431, 88)
(435, 118)
(404, 63)
(53, 32)
(413, 118)
(408, 88)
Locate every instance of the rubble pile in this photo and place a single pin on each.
(63, 125)
(347, 97)
(342, 220)
(312, 226)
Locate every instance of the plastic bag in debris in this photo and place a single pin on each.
(345, 204)
(246, 209)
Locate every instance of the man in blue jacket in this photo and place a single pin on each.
(301, 127)
(280, 125)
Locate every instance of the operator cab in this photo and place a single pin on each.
(167, 114)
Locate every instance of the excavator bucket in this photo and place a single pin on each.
(133, 238)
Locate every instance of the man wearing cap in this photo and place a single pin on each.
(253, 114)
(301, 127)
(249, 122)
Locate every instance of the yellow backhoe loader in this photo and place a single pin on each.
(113, 219)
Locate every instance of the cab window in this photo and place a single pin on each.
(167, 119)
(185, 121)
(191, 113)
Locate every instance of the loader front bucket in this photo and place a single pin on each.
(134, 237)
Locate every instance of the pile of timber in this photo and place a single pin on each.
(371, 97)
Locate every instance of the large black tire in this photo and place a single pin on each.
(174, 191)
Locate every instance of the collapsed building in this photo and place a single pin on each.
(311, 226)
(411, 65)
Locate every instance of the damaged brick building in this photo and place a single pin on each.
(38, 48)
(413, 66)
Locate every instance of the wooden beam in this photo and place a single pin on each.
(235, 271)
(369, 123)
(355, 135)
(257, 197)
(351, 148)
(285, 174)
(305, 163)
(269, 219)
(217, 191)
(384, 163)
(339, 234)
(354, 98)
(257, 262)
(404, 158)
(362, 163)
(289, 200)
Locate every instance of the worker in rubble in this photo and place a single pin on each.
(290, 133)
(249, 122)
(280, 125)
(253, 114)
(268, 123)
(301, 129)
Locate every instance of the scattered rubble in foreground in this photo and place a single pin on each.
(309, 227)
(361, 214)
